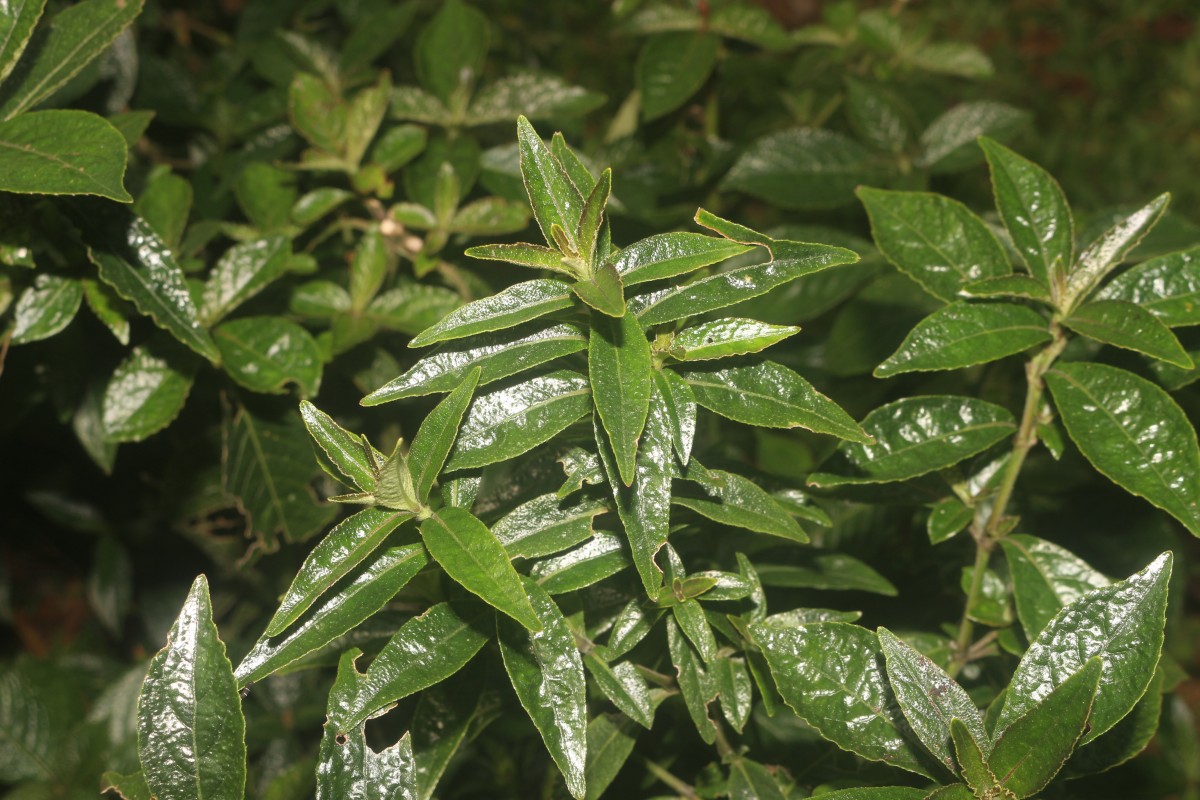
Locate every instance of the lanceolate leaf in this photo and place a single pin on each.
(1167, 286)
(527, 255)
(624, 686)
(695, 684)
(63, 152)
(191, 733)
(1132, 327)
(680, 404)
(603, 291)
(914, 436)
(771, 396)
(963, 334)
(1015, 285)
(516, 304)
(749, 780)
(343, 449)
(826, 571)
(1045, 577)
(737, 501)
(444, 717)
(437, 434)
(666, 255)
(619, 373)
(832, 676)
(730, 336)
(600, 557)
(610, 740)
(1133, 433)
(1107, 252)
(1121, 623)
(553, 196)
(547, 673)
(802, 168)
(16, 26)
(473, 557)
(972, 763)
(546, 525)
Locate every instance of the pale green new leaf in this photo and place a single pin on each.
(729, 336)
(553, 196)
(344, 450)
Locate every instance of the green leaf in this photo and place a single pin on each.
(1133, 433)
(507, 422)
(60, 49)
(886, 793)
(936, 241)
(342, 549)
(1121, 623)
(108, 307)
(1045, 577)
(1033, 749)
(553, 196)
(534, 95)
(1167, 286)
(879, 115)
(318, 113)
(1015, 285)
(802, 168)
(729, 336)
(26, 732)
(591, 221)
(619, 373)
(1110, 249)
(771, 396)
(45, 308)
(671, 68)
(735, 690)
(333, 615)
(343, 449)
(831, 571)
(526, 255)
(749, 780)
(602, 556)
(958, 791)
(134, 261)
(547, 674)
(265, 354)
(1123, 324)
(1033, 209)
(689, 616)
(947, 518)
(929, 698)
(973, 764)
(624, 686)
(146, 392)
(411, 103)
(739, 502)
(666, 255)
(832, 676)
(451, 50)
(191, 733)
(949, 143)
(436, 436)
(165, 203)
(679, 402)
(63, 152)
(267, 193)
(610, 741)
(497, 356)
(1125, 740)
(603, 291)
(127, 787)
(964, 334)
(411, 307)
(473, 557)
(697, 686)
(368, 268)
(17, 22)
(952, 58)
(445, 716)
(546, 525)
(915, 436)
(490, 216)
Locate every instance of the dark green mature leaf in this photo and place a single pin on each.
(127, 787)
(973, 765)
(74, 37)
(826, 571)
(936, 241)
(1121, 623)
(134, 261)
(600, 557)
(915, 436)
(880, 116)
(26, 733)
(497, 356)
(749, 780)
(738, 501)
(474, 558)
(666, 255)
(451, 49)
(735, 690)
(165, 203)
(741, 283)
(426, 650)
(802, 168)
(619, 373)
(957, 791)
(534, 95)
(771, 396)
(885, 793)
(444, 717)
(45, 308)
(949, 143)
(17, 21)
(1125, 740)
(1017, 284)
(437, 434)
(1033, 749)
(553, 196)
(1167, 286)
(191, 733)
(334, 615)
(516, 304)
(610, 740)
(947, 518)
(1033, 209)
(343, 449)
(672, 67)
(680, 405)
(108, 307)
(546, 525)
(832, 675)
(342, 549)
(624, 686)
(1130, 326)
(506, 422)
(729, 336)
(547, 673)
(1133, 433)
(1045, 577)
(964, 334)
(146, 392)
(265, 354)
(929, 698)
(63, 152)
(695, 684)
(1109, 250)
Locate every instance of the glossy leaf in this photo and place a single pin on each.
(554, 198)
(1033, 209)
(506, 422)
(972, 763)
(947, 518)
(936, 241)
(1125, 740)
(726, 337)
(832, 676)
(191, 733)
(598, 558)
(1121, 623)
(145, 393)
(624, 686)
(802, 168)
(445, 715)
(749, 780)
(734, 688)
(915, 436)
(451, 49)
(473, 557)
(695, 684)
(885, 793)
(610, 741)
(1167, 286)
(671, 68)
(1045, 577)
(45, 308)
(497, 356)
(679, 402)
(1133, 433)
(619, 373)
(1103, 255)
(17, 22)
(436, 436)
(964, 334)
(826, 571)
(108, 307)
(739, 502)
(1130, 326)
(534, 95)
(546, 525)
(547, 673)
(516, 304)
(667, 255)
(63, 152)
(1015, 285)
(526, 255)
(343, 449)
(771, 396)
(265, 354)
(949, 143)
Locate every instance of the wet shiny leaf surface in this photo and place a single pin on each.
(738, 501)
(436, 436)
(619, 374)
(146, 392)
(965, 334)
(1167, 286)
(547, 525)
(827, 571)
(45, 308)
(554, 198)
(1045, 577)
(343, 449)
(241, 273)
(667, 255)
(726, 337)
(1109, 250)
(695, 684)
(600, 557)
(517, 304)
(1132, 327)
(680, 405)
(265, 354)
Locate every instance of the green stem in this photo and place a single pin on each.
(992, 531)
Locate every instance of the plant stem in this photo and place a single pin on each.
(992, 532)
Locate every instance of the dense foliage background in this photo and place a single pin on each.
(318, 169)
